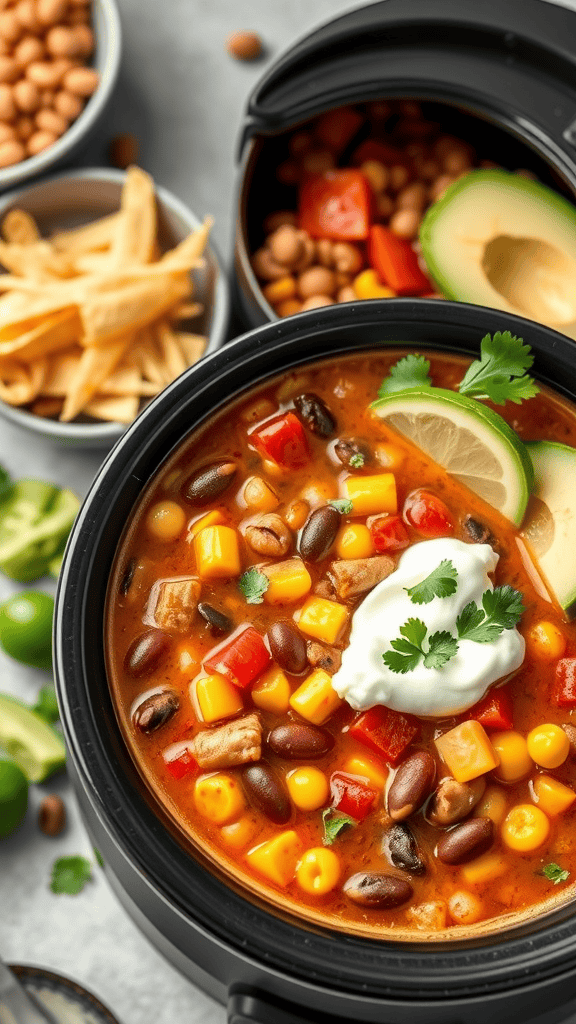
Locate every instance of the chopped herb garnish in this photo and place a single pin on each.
(70, 874)
(440, 583)
(410, 372)
(253, 584)
(408, 652)
(357, 461)
(554, 873)
(501, 609)
(334, 825)
(342, 505)
(46, 705)
(500, 373)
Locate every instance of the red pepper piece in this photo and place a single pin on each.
(396, 263)
(242, 659)
(336, 128)
(371, 149)
(283, 440)
(428, 514)
(179, 761)
(388, 534)
(384, 731)
(565, 683)
(494, 711)
(336, 205)
(350, 797)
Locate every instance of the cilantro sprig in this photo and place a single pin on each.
(554, 873)
(501, 609)
(334, 823)
(342, 505)
(70, 875)
(440, 583)
(357, 460)
(408, 650)
(410, 372)
(253, 584)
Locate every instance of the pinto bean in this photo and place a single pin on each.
(377, 891)
(319, 533)
(354, 576)
(411, 785)
(288, 647)
(349, 451)
(209, 482)
(269, 536)
(156, 710)
(399, 845)
(52, 815)
(466, 841)
(265, 791)
(297, 741)
(327, 658)
(316, 414)
(219, 622)
(453, 800)
(145, 652)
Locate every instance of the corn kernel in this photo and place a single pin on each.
(217, 552)
(552, 797)
(276, 859)
(366, 768)
(467, 751)
(259, 495)
(272, 691)
(484, 869)
(219, 798)
(308, 788)
(217, 698)
(546, 642)
(165, 520)
(465, 908)
(288, 581)
(367, 286)
(548, 745)
(325, 620)
(280, 290)
(492, 805)
(371, 494)
(213, 518)
(239, 833)
(512, 750)
(296, 514)
(354, 540)
(318, 871)
(525, 828)
(315, 699)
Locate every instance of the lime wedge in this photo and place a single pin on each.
(470, 441)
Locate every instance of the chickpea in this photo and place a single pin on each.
(67, 105)
(548, 745)
(165, 520)
(546, 642)
(525, 828)
(465, 908)
(308, 788)
(346, 294)
(7, 132)
(265, 266)
(439, 186)
(376, 174)
(296, 514)
(347, 258)
(316, 281)
(325, 252)
(315, 301)
(318, 871)
(10, 27)
(7, 105)
(399, 177)
(9, 69)
(26, 96)
(308, 254)
(25, 128)
(11, 152)
(276, 220)
(50, 12)
(286, 245)
(25, 11)
(29, 49)
(413, 197)
(49, 121)
(81, 81)
(39, 141)
(405, 223)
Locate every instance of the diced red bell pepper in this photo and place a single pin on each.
(385, 731)
(371, 149)
(284, 440)
(396, 263)
(336, 205)
(179, 761)
(388, 534)
(350, 797)
(494, 711)
(242, 659)
(428, 514)
(337, 127)
(565, 683)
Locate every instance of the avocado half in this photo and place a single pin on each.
(499, 239)
(550, 523)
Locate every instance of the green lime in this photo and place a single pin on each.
(13, 797)
(470, 441)
(26, 628)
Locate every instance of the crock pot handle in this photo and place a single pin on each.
(254, 1008)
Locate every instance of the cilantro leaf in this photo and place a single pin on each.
(410, 372)
(440, 583)
(334, 823)
(253, 584)
(554, 873)
(441, 648)
(501, 609)
(470, 617)
(356, 461)
(504, 604)
(500, 373)
(46, 705)
(5, 483)
(407, 650)
(342, 505)
(70, 874)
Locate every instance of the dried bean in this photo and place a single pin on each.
(288, 647)
(52, 815)
(377, 891)
(476, 531)
(145, 652)
(400, 847)
(209, 482)
(453, 800)
(127, 577)
(296, 741)
(319, 533)
(466, 841)
(264, 790)
(269, 536)
(411, 785)
(316, 414)
(156, 710)
(219, 622)
(349, 451)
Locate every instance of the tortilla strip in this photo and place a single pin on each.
(95, 365)
(171, 353)
(46, 337)
(127, 380)
(190, 249)
(118, 410)
(187, 311)
(111, 313)
(136, 232)
(19, 226)
(20, 383)
(192, 345)
(98, 234)
(62, 369)
(146, 357)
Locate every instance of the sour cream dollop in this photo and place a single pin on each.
(364, 680)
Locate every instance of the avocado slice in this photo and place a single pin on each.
(550, 523)
(498, 239)
(35, 747)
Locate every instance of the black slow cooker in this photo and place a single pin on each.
(269, 968)
(499, 73)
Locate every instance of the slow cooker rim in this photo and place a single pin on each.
(552, 941)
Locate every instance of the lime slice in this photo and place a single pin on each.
(471, 442)
(13, 797)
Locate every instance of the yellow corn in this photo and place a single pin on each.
(219, 798)
(318, 871)
(354, 540)
(525, 828)
(512, 750)
(308, 788)
(548, 745)
(371, 494)
(323, 619)
(277, 858)
(484, 869)
(315, 699)
(546, 642)
(217, 552)
(280, 290)
(166, 520)
(259, 495)
(272, 691)
(367, 286)
(465, 908)
(467, 751)
(366, 768)
(289, 581)
(552, 797)
(217, 698)
(213, 518)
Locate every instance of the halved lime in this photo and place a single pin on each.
(470, 441)
(13, 797)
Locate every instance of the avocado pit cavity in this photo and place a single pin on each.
(533, 276)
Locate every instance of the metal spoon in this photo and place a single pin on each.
(16, 1005)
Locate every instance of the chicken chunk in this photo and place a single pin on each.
(231, 744)
(173, 603)
(354, 576)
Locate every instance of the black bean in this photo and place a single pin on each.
(209, 482)
(156, 710)
(297, 741)
(288, 647)
(145, 652)
(466, 841)
(477, 532)
(219, 622)
(411, 785)
(351, 453)
(319, 533)
(265, 791)
(378, 891)
(316, 414)
(128, 576)
(400, 846)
